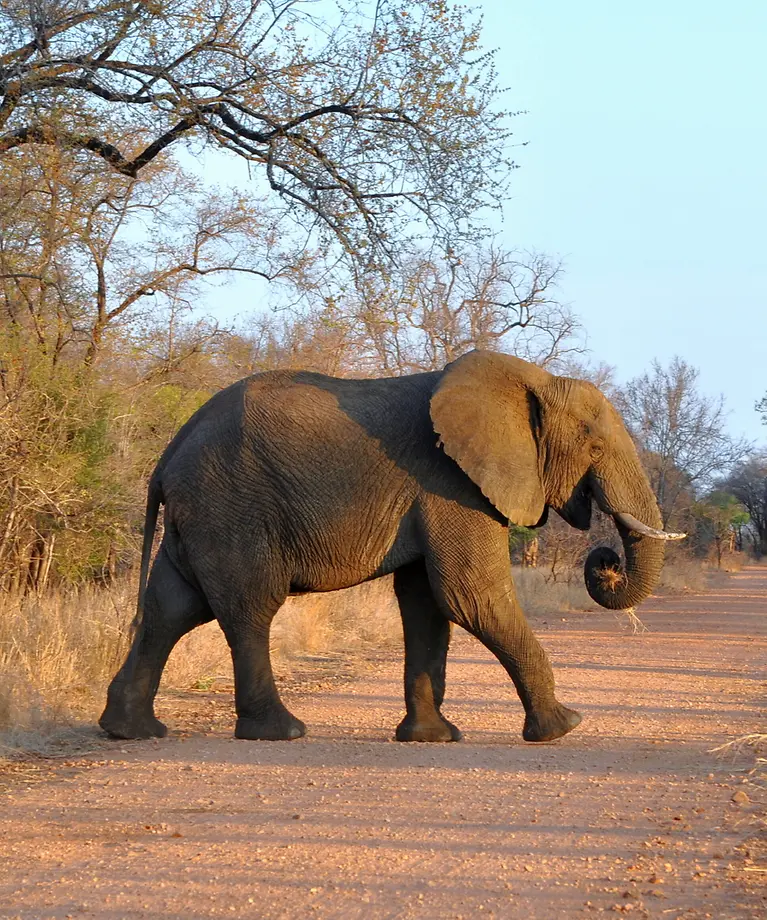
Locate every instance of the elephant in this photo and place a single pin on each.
(291, 481)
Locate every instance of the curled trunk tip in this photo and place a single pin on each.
(618, 587)
(605, 578)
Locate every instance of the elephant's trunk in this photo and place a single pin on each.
(619, 587)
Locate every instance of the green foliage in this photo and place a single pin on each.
(75, 451)
(719, 518)
(722, 510)
(520, 536)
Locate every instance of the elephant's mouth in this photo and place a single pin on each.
(577, 509)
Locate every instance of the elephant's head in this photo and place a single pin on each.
(533, 441)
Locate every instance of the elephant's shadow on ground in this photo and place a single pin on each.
(563, 664)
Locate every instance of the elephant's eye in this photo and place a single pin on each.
(596, 450)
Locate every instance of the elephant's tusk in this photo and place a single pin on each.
(630, 522)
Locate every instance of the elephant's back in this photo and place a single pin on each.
(222, 412)
(294, 424)
(340, 424)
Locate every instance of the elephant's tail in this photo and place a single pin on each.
(154, 499)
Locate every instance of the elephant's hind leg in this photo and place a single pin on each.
(172, 608)
(246, 619)
(427, 636)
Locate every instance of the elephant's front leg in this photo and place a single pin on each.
(472, 582)
(427, 636)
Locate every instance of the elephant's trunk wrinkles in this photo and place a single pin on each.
(617, 587)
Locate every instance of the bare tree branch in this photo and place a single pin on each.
(346, 115)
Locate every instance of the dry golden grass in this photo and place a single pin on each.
(539, 597)
(58, 652)
(338, 620)
(55, 652)
(683, 575)
(306, 626)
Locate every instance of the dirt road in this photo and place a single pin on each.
(630, 814)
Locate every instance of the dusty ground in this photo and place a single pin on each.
(629, 814)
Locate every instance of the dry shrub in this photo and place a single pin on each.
(539, 597)
(754, 744)
(683, 574)
(350, 619)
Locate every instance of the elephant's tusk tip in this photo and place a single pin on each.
(676, 536)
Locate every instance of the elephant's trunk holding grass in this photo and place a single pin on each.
(292, 482)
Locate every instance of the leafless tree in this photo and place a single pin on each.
(681, 433)
(83, 251)
(433, 310)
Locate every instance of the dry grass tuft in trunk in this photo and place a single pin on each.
(610, 579)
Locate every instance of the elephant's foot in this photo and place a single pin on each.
(279, 726)
(434, 729)
(119, 721)
(548, 724)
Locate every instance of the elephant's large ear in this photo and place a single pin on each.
(488, 417)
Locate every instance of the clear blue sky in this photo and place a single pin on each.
(646, 169)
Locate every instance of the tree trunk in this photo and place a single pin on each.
(42, 581)
(530, 554)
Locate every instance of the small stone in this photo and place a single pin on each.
(740, 798)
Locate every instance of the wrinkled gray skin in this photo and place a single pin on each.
(291, 482)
